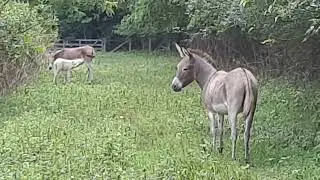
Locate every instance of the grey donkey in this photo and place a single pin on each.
(223, 93)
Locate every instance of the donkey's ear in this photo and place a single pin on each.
(180, 50)
(184, 51)
(187, 52)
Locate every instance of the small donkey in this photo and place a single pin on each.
(223, 93)
(65, 65)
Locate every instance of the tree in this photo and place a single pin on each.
(25, 34)
(152, 17)
(76, 17)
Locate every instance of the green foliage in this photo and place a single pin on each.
(283, 20)
(294, 113)
(213, 17)
(25, 34)
(130, 125)
(82, 11)
(74, 15)
(261, 20)
(287, 128)
(153, 17)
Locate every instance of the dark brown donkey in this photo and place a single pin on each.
(86, 52)
(223, 93)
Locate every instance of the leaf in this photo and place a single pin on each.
(244, 2)
(246, 166)
(268, 41)
(309, 30)
(27, 39)
(252, 28)
(40, 49)
(284, 158)
(86, 20)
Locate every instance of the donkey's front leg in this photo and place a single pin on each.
(55, 73)
(213, 128)
(65, 77)
(69, 76)
(90, 72)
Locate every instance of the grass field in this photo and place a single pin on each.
(129, 124)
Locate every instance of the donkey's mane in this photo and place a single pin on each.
(205, 56)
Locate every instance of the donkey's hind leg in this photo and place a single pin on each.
(90, 72)
(220, 126)
(247, 134)
(234, 135)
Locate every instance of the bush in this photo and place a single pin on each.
(25, 33)
(289, 115)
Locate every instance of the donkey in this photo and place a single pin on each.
(86, 52)
(66, 66)
(223, 93)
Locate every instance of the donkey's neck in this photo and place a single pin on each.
(204, 72)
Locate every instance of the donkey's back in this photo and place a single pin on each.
(231, 92)
(86, 52)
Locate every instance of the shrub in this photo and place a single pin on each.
(25, 33)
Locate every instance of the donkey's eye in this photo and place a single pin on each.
(185, 69)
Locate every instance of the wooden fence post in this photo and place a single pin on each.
(142, 43)
(130, 44)
(150, 45)
(104, 41)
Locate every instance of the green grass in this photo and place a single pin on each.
(129, 124)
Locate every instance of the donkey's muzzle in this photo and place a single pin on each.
(176, 88)
(176, 85)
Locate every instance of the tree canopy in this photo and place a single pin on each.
(77, 18)
(151, 17)
(265, 20)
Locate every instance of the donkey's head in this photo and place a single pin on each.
(86, 52)
(186, 70)
(49, 58)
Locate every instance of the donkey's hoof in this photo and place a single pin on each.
(213, 148)
(220, 150)
(247, 166)
(247, 161)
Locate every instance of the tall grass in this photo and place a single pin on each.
(130, 125)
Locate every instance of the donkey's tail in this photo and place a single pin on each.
(250, 98)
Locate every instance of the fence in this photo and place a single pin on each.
(107, 44)
(97, 44)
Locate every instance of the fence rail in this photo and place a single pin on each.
(113, 45)
(97, 44)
